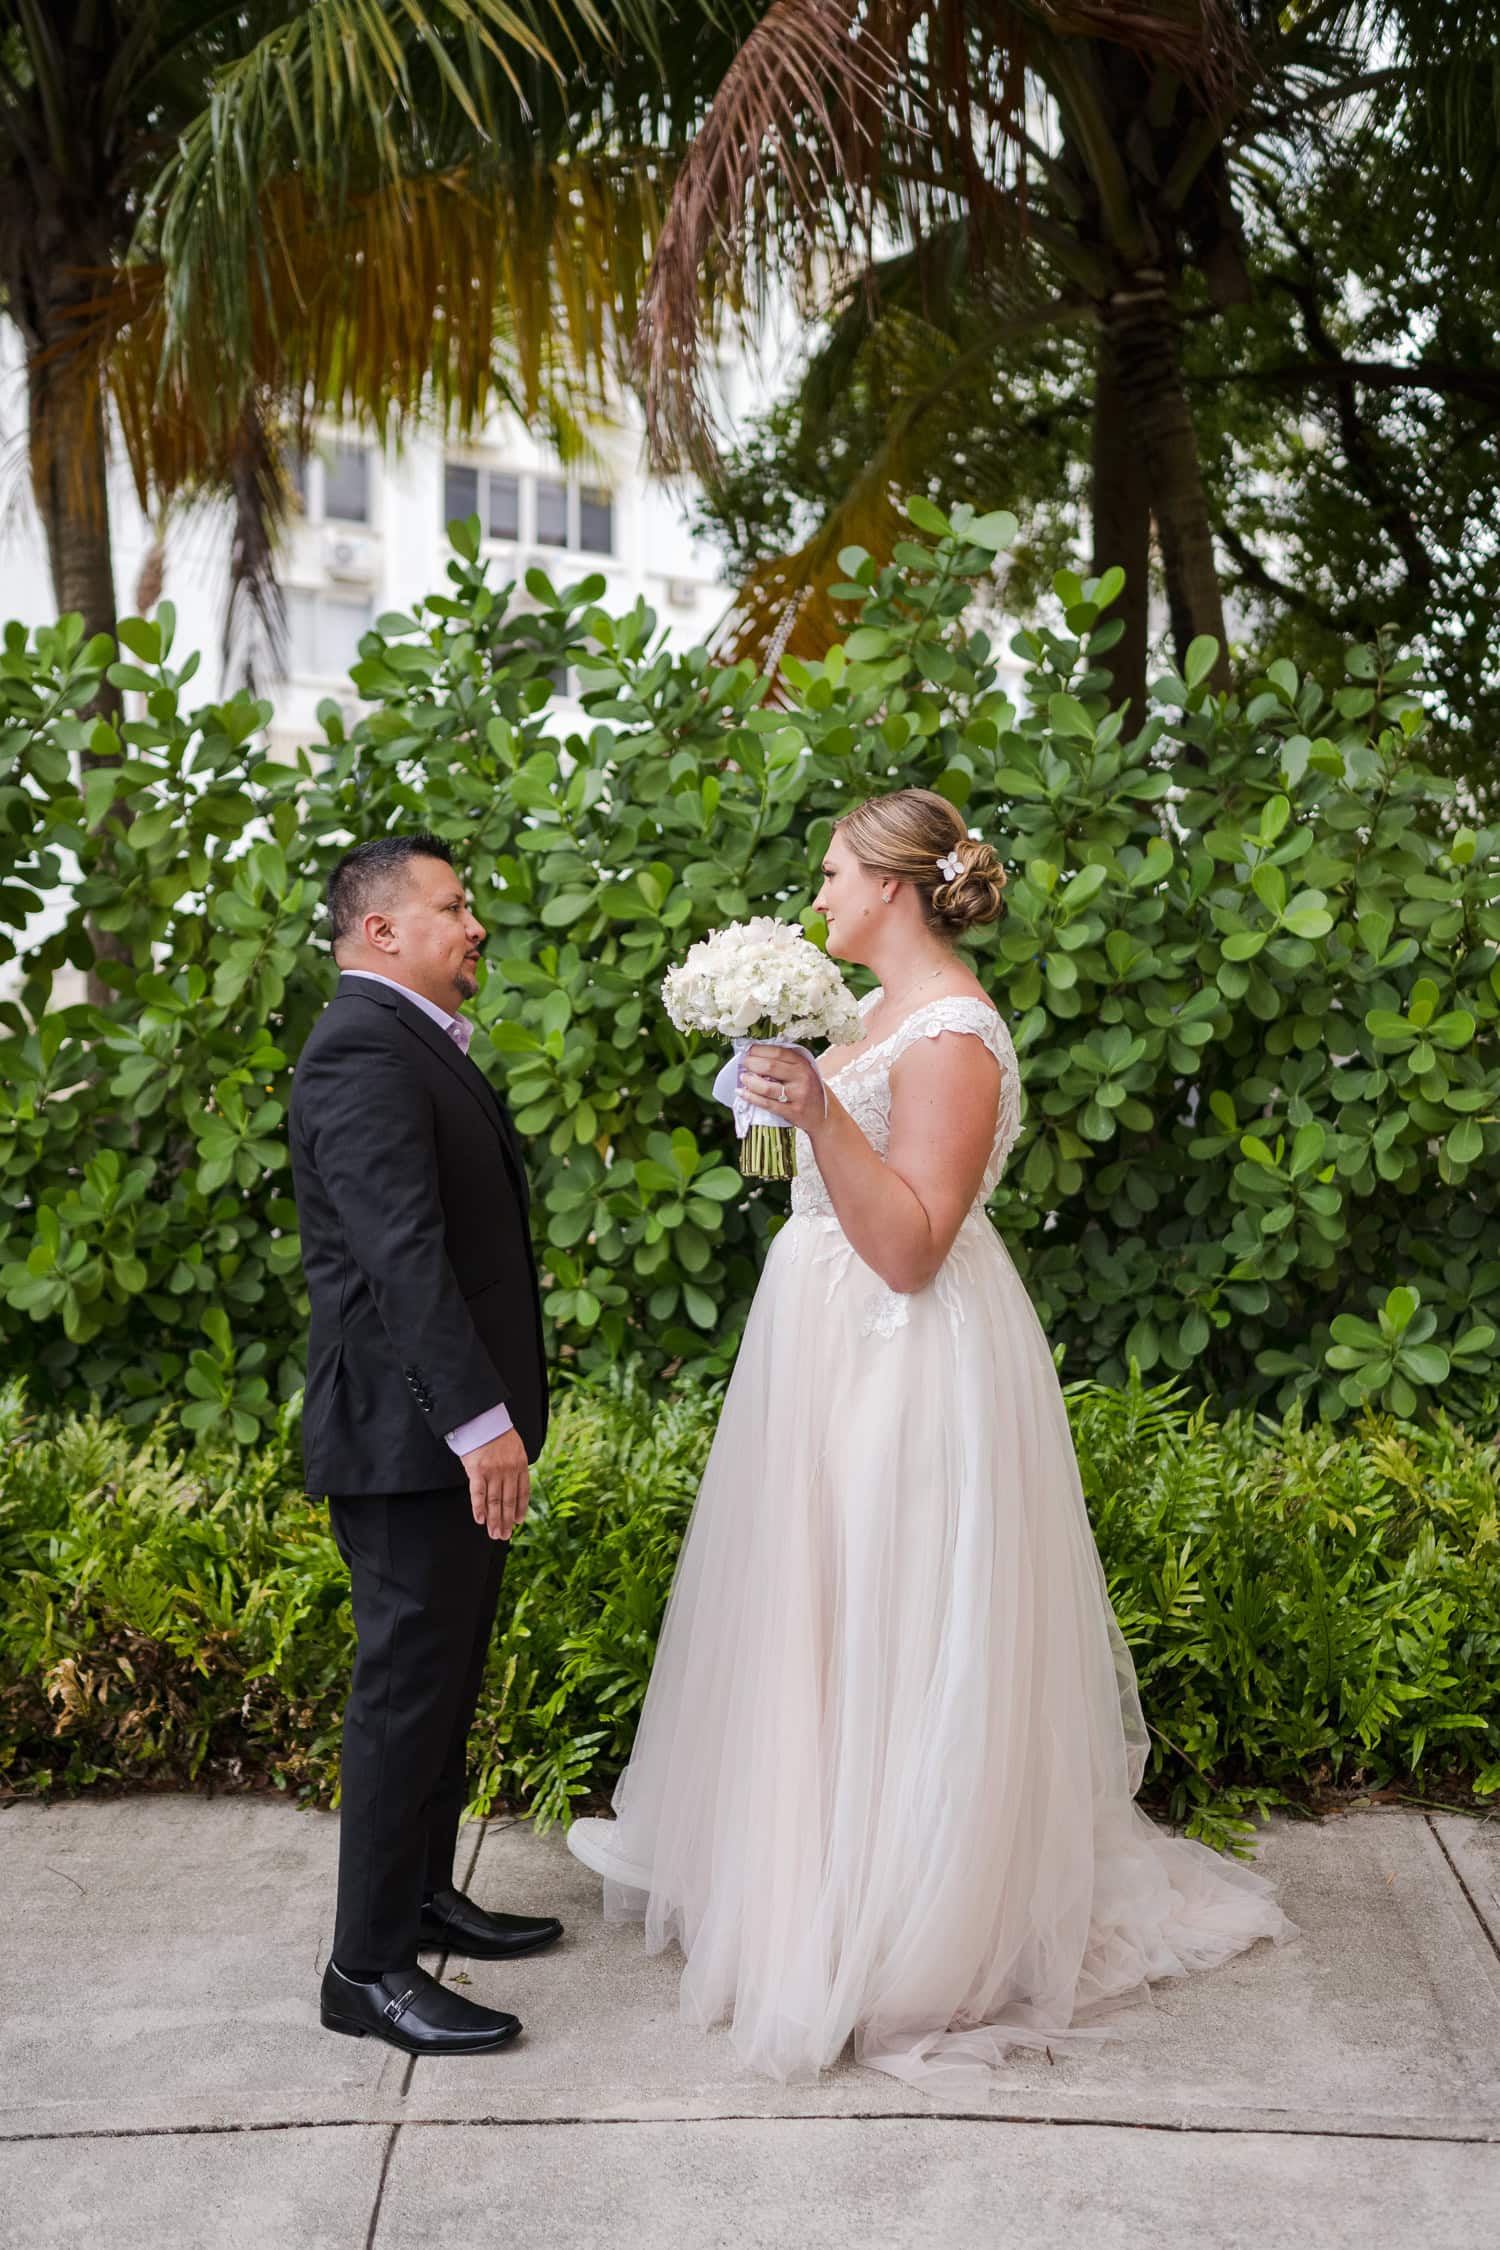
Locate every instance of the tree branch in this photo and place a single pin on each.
(1252, 123)
(1375, 374)
(1295, 597)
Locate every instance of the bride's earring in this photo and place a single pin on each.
(886, 897)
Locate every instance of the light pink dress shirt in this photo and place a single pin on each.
(496, 1420)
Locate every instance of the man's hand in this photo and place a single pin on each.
(499, 1483)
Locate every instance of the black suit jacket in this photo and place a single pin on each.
(412, 1200)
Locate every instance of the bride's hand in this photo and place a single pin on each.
(768, 1073)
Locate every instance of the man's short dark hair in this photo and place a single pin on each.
(371, 875)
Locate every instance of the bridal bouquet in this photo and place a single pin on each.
(760, 979)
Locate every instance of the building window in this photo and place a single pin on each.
(346, 484)
(490, 494)
(554, 512)
(460, 493)
(324, 632)
(332, 485)
(596, 528)
(503, 513)
(551, 512)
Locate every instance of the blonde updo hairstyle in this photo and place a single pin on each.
(905, 834)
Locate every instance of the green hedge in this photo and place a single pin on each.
(1252, 965)
(1310, 1612)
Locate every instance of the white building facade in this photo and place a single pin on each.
(370, 534)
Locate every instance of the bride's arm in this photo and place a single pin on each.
(901, 1211)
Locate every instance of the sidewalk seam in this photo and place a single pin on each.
(441, 1970)
(385, 2165)
(1480, 2137)
(1459, 1878)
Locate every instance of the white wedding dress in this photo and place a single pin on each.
(882, 1783)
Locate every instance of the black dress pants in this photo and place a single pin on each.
(425, 1579)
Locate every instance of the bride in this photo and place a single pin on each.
(883, 1781)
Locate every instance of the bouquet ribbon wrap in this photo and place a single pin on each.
(746, 1112)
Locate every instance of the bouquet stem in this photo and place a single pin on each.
(769, 1152)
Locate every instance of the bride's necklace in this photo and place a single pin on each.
(900, 996)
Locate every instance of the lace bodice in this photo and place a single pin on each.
(864, 1087)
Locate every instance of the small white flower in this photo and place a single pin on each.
(951, 866)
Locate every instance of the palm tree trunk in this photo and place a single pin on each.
(69, 474)
(78, 541)
(1148, 357)
(1120, 504)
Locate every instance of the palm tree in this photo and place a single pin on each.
(91, 97)
(785, 137)
(387, 209)
(998, 170)
(397, 279)
(412, 251)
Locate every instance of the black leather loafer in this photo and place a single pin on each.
(413, 2011)
(457, 1925)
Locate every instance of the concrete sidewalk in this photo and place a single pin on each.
(164, 2080)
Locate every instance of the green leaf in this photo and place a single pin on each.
(1269, 886)
(1080, 888)
(722, 1184)
(101, 785)
(926, 517)
(995, 532)
(1069, 717)
(1424, 1363)
(1202, 656)
(1308, 921)
(567, 907)
(1465, 1144)
(142, 637)
(463, 533)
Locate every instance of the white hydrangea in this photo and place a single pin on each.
(760, 978)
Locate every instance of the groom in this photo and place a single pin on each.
(426, 1401)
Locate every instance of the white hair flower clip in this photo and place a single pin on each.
(952, 866)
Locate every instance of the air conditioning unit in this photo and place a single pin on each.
(683, 592)
(351, 559)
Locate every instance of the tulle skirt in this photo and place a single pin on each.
(882, 1784)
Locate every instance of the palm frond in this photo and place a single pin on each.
(791, 143)
(453, 293)
(785, 607)
(831, 108)
(344, 97)
(254, 620)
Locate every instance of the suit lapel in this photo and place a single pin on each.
(468, 1074)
